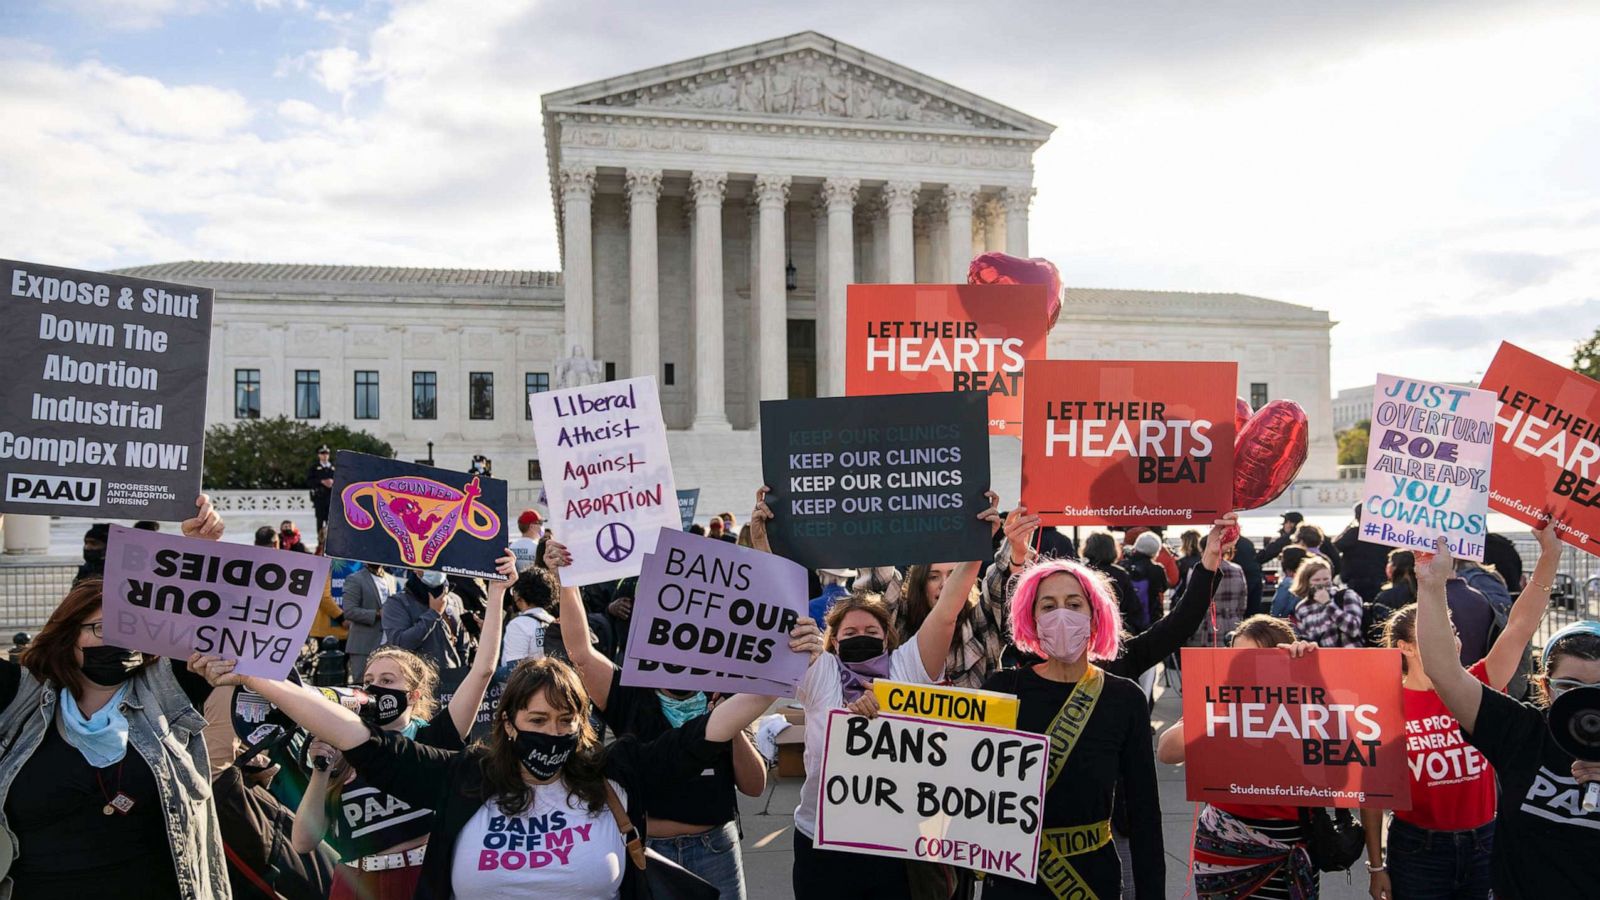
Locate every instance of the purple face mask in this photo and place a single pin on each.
(1064, 633)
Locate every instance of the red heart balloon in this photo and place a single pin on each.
(1241, 414)
(1002, 268)
(1268, 453)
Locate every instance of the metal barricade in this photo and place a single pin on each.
(31, 591)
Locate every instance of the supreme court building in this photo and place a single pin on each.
(711, 214)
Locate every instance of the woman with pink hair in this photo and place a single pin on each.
(1099, 729)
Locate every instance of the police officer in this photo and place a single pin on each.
(319, 478)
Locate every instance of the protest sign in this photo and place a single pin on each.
(863, 481)
(1128, 443)
(706, 603)
(337, 573)
(603, 449)
(687, 502)
(103, 408)
(1428, 466)
(396, 513)
(917, 338)
(966, 795)
(450, 682)
(173, 596)
(646, 673)
(1327, 729)
(1547, 450)
(949, 704)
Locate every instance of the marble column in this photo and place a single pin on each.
(840, 196)
(772, 301)
(707, 189)
(819, 219)
(27, 535)
(879, 219)
(995, 219)
(752, 321)
(577, 264)
(1017, 201)
(900, 199)
(644, 291)
(958, 200)
(981, 225)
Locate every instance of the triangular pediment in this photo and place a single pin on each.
(803, 76)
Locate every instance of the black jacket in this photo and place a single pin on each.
(451, 784)
(1362, 563)
(314, 476)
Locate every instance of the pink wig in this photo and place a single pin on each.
(1105, 639)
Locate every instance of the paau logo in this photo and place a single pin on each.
(420, 514)
(52, 489)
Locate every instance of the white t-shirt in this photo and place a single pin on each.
(556, 848)
(820, 692)
(524, 549)
(525, 636)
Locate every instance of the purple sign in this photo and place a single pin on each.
(643, 673)
(173, 596)
(707, 604)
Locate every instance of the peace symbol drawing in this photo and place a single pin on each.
(614, 541)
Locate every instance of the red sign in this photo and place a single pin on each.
(1128, 443)
(931, 338)
(1327, 729)
(1547, 445)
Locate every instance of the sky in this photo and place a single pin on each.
(1427, 172)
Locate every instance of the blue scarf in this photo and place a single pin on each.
(679, 711)
(103, 737)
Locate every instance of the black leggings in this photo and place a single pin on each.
(833, 875)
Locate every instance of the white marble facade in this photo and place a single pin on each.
(684, 193)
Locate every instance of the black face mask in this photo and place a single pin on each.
(94, 556)
(110, 666)
(542, 754)
(384, 704)
(860, 648)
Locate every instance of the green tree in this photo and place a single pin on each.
(1353, 443)
(274, 454)
(1586, 358)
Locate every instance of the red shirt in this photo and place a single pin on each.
(1452, 785)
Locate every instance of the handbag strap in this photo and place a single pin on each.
(630, 834)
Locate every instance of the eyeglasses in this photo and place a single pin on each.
(98, 629)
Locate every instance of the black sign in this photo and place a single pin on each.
(103, 407)
(870, 481)
(450, 682)
(396, 513)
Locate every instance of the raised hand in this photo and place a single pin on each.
(1019, 528)
(207, 523)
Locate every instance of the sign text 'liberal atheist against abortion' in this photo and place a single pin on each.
(607, 473)
(103, 407)
(1128, 443)
(865, 481)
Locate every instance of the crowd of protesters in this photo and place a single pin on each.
(391, 794)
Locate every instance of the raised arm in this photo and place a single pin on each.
(749, 769)
(933, 638)
(1436, 641)
(469, 696)
(1169, 633)
(1014, 554)
(1527, 612)
(1170, 749)
(338, 727)
(206, 524)
(758, 521)
(733, 714)
(595, 670)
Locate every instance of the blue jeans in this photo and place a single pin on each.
(1439, 865)
(713, 855)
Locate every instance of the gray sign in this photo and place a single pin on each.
(103, 403)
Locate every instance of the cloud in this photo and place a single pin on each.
(131, 15)
(1515, 270)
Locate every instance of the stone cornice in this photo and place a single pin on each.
(812, 56)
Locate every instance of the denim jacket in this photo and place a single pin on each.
(165, 730)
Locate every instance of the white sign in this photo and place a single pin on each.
(967, 795)
(1428, 461)
(603, 451)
